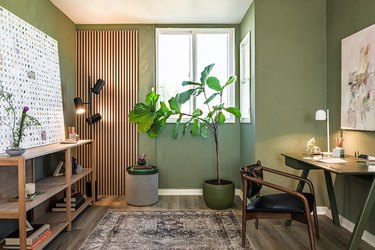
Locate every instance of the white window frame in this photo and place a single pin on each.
(245, 63)
(195, 74)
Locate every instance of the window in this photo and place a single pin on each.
(183, 53)
(245, 79)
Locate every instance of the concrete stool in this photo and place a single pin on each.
(142, 185)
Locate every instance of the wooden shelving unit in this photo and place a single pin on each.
(50, 186)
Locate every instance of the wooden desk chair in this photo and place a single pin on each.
(289, 204)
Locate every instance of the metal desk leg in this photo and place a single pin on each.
(301, 184)
(299, 188)
(363, 218)
(332, 198)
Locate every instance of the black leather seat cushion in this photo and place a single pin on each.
(284, 202)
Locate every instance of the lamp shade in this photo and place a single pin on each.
(98, 86)
(92, 119)
(78, 103)
(320, 115)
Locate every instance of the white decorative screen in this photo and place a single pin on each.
(29, 69)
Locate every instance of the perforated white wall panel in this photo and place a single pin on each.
(29, 69)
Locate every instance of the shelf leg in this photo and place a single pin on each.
(68, 193)
(22, 202)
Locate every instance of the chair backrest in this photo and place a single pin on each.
(254, 170)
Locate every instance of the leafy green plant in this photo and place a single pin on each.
(17, 127)
(151, 119)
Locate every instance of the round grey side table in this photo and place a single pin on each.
(141, 185)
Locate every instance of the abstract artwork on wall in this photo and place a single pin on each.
(29, 69)
(358, 80)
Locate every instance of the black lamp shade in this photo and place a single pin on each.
(98, 86)
(78, 103)
(95, 118)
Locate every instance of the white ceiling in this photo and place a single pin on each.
(154, 11)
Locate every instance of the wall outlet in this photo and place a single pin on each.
(43, 135)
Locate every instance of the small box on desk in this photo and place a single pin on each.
(338, 152)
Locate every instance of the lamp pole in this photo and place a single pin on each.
(90, 105)
(328, 147)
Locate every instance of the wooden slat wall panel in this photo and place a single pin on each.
(112, 56)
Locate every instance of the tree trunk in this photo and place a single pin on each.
(217, 155)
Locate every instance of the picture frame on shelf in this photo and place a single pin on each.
(60, 169)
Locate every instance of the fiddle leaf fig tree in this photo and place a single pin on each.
(151, 119)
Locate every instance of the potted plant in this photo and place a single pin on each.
(217, 193)
(16, 126)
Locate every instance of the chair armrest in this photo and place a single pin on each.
(274, 186)
(274, 171)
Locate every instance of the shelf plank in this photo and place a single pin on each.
(77, 177)
(40, 151)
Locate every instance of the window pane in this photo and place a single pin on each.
(212, 48)
(173, 65)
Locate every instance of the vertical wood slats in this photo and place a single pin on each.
(112, 56)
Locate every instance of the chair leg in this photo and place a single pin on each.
(256, 223)
(243, 230)
(315, 213)
(310, 231)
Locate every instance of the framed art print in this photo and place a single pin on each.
(358, 80)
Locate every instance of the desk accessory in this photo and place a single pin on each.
(322, 115)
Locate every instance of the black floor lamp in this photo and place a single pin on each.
(79, 104)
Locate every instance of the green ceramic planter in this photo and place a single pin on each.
(218, 196)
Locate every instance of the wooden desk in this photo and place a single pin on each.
(352, 167)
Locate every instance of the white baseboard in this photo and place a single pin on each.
(180, 191)
(189, 192)
(348, 225)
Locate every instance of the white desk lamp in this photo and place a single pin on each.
(322, 115)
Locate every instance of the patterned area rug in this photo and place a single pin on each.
(188, 230)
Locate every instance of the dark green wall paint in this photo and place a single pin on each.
(247, 145)
(43, 15)
(345, 17)
(186, 162)
(289, 82)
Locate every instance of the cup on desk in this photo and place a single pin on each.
(30, 188)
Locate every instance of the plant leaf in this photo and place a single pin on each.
(195, 128)
(185, 96)
(151, 99)
(174, 104)
(209, 99)
(234, 111)
(220, 118)
(206, 71)
(204, 130)
(189, 83)
(213, 83)
(231, 80)
(197, 112)
(186, 125)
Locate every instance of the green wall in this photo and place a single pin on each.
(289, 80)
(186, 162)
(345, 17)
(247, 141)
(43, 15)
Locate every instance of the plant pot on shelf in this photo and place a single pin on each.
(15, 152)
(218, 196)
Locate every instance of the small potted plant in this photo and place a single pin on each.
(217, 193)
(16, 126)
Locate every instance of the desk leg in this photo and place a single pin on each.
(299, 188)
(332, 198)
(301, 184)
(363, 218)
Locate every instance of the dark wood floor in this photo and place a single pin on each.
(272, 234)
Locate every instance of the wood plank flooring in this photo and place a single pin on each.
(272, 234)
